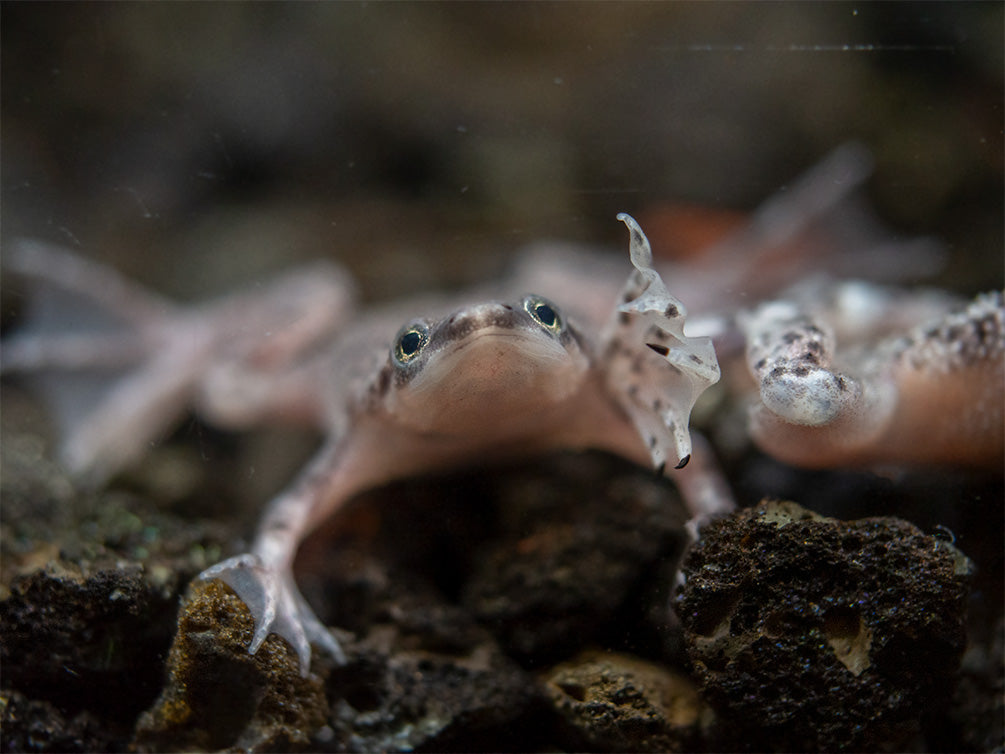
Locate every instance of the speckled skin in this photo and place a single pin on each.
(931, 396)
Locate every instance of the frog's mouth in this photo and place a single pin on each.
(495, 376)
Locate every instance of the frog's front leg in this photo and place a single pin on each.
(933, 395)
(263, 578)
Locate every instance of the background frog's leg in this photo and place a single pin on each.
(950, 377)
(271, 363)
(932, 396)
(654, 370)
(118, 365)
(818, 224)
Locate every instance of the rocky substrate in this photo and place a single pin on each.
(508, 609)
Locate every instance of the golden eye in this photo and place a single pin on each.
(410, 341)
(544, 313)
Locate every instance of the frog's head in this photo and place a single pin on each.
(494, 364)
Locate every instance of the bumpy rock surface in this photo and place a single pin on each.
(811, 633)
(219, 696)
(418, 578)
(609, 701)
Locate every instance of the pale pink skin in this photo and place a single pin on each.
(495, 376)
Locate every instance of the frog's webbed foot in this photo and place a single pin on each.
(933, 395)
(653, 369)
(276, 606)
(100, 350)
(118, 365)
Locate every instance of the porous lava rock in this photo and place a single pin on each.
(808, 633)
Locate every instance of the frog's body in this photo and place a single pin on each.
(502, 373)
(484, 381)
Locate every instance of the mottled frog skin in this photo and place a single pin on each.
(585, 361)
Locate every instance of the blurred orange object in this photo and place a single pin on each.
(681, 231)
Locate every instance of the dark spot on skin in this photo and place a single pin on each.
(842, 386)
(776, 372)
(660, 349)
(801, 371)
(986, 328)
(671, 311)
(652, 441)
(760, 364)
(633, 391)
(696, 359)
(383, 382)
(636, 366)
(657, 405)
(814, 346)
(814, 330)
(624, 318)
(791, 337)
(683, 462)
(627, 296)
(659, 334)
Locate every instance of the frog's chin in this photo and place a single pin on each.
(494, 381)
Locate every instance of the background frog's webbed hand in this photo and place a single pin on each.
(653, 369)
(931, 395)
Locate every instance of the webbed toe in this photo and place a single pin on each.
(276, 605)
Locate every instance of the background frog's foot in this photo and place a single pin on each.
(117, 365)
(808, 414)
(653, 369)
(103, 353)
(276, 605)
(932, 396)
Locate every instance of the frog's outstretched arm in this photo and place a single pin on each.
(932, 396)
(263, 578)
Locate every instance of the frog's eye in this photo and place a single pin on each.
(410, 341)
(544, 313)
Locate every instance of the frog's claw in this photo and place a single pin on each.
(276, 605)
(656, 372)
